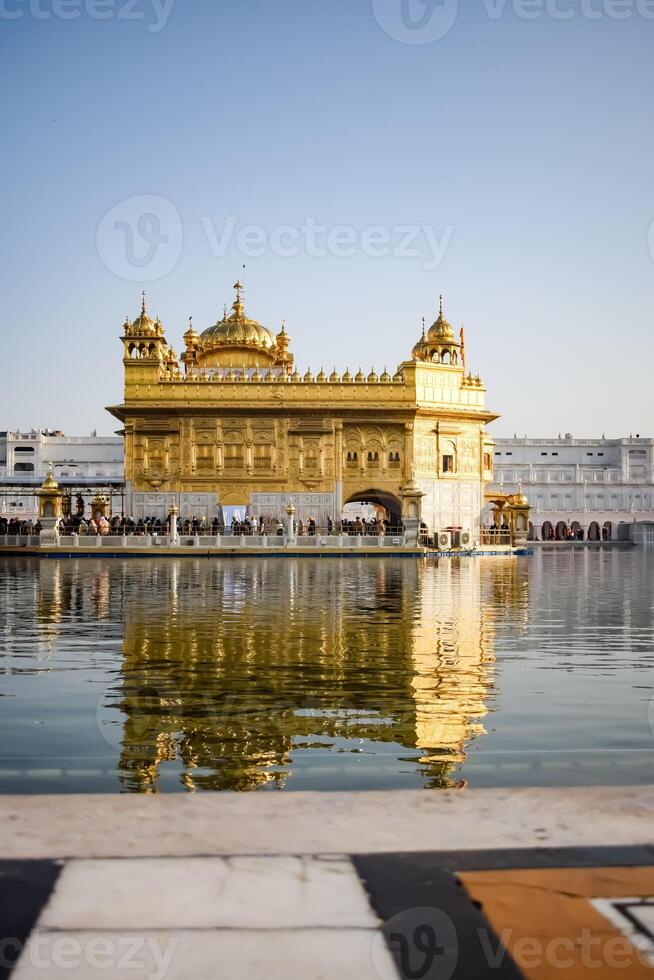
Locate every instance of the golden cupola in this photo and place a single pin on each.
(438, 345)
(237, 340)
(143, 326)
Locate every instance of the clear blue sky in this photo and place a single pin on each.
(530, 143)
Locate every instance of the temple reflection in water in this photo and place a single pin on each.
(241, 672)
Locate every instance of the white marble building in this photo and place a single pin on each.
(78, 462)
(587, 484)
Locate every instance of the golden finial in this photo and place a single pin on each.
(423, 328)
(238, 302)
(144, 311)
(441, 305)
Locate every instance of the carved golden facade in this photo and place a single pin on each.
(233, 422)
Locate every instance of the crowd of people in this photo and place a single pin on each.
(12, 525)
(156, 526)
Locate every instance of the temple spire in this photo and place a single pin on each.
(238, 302)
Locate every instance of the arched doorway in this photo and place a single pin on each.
(594, 531)
(577, 530)
(561, 531)
(381, 500)
(607, 531)
(547, 531)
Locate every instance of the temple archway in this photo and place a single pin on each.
(391, 504)
(594, 532)
(561, 531)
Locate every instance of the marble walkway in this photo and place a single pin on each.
(489, 883)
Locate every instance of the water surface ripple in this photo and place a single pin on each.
(170, 675)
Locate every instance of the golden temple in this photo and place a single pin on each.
(233, 422)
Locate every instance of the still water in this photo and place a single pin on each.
(171, 675)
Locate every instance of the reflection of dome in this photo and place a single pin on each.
(238, 330)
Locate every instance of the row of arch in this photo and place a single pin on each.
(136, 351)
(371, 457)
(562, 531)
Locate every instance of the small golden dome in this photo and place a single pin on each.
(441, 332)
(308, 377)
(419, 348)
(143, 326)
(191, 337)
(398, 377)
(296, 376)
(321, 376)
(372, 377)
(334, 377)
(360, 376)
(347, 376)
(386, 377)
(50, 483)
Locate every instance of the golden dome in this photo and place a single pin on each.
(50, 483)
(519, 499)
(191, 336)
(238, 330)
(441, 331)
(419, 348)
(143, 326)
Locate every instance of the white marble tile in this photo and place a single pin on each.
(323, 954)
(136, 825)
(207, 893)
